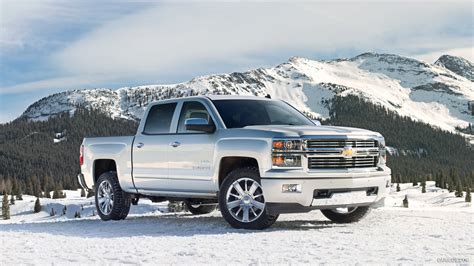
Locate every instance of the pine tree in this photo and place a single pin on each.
(415, 183)
(458, 192)
(450, 185)
(443, 181)
(29, 187)
(468, 194)
(19, 196)
(56, 194)
(83, 193)
(405, 201)
(423, 186)
(37, 206)
(398, 187)
(12, 199)
(5, 206)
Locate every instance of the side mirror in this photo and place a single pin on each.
(316, 122)
(199, 124)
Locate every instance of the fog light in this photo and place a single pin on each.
(291, 188)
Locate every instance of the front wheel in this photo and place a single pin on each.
(346, 215)
(241, 200)
(111, 201)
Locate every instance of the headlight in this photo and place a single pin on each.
(285, 153)
(286, 145)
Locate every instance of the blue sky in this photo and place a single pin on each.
(51, 46)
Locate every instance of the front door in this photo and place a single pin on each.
(191, 155)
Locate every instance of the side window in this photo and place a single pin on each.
(191, 110)
(159, 119)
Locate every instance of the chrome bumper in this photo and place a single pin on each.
(345, 190)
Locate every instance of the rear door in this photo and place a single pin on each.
(150, 148)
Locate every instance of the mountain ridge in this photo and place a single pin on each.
(431, 93)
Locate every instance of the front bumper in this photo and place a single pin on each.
(345, 189)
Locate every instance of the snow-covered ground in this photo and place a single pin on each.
(437, 227)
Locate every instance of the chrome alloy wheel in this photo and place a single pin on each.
(105, 197)
(245, 200)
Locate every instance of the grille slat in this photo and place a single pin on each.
(355, 162)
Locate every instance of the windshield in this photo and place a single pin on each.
(242, 113)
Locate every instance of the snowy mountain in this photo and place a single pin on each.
(438, 94)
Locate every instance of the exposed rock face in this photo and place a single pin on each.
(458, 65)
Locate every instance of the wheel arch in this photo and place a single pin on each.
(101, 166)
(230, 163)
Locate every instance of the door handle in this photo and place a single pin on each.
(140, 144)
(175, 144)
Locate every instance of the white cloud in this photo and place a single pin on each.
(36, 23)
(85, 81)
(178, 37)
(465, 52)
(169, 39)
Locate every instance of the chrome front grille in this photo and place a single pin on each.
(340, 162)
(341, 153)
(315, 144)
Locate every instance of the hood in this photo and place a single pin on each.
(297, 131)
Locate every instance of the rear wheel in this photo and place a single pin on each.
(198, 208)
(241, 200)
(346, 215)
(111, 201)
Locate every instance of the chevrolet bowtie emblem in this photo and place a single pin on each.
(348, 152)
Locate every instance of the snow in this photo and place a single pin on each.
(436, 226)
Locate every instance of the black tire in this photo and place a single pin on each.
(263, 221)
(121, 200)
(350, 217)
(198, 209)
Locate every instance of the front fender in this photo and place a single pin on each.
(258, 149)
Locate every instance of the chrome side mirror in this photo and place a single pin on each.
(199, 124)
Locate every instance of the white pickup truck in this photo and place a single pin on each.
(254, 157)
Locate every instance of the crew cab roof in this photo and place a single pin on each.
(236, 97)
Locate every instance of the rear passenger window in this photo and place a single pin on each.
(159, 119)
